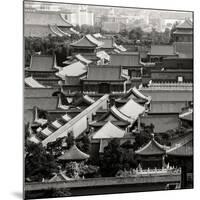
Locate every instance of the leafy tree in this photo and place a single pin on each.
(136, 34)
(38, 163)
(116, 158)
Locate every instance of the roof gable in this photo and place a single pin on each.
(109, 130)
(132, 109)
(87, 41)
(134, 93)
(187, 24)
(151, 148)
(75, 69)
(73, 154)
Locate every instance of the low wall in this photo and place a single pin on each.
(111, 181)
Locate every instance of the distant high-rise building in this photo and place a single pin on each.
(82, 16)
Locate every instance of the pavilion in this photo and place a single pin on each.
(73, 154)
(87, 44)
(152, 155)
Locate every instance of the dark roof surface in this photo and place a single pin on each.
(42, 63)
(184, 49)
(104, 73)
(162, 50)
(185, 149)
(130, 59)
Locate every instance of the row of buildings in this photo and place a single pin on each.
(106, 92)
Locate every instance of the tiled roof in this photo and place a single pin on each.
(187, 24)
(59, 177)
(44, 103)
(111, 115)
(45, 18)
(87, 41)
(132, 109)
(39, 92)
(42, 63)
(136, 94)
(83, 59)
(31, 82)
(75, 69)
(73, 154)
(184, 49)
(167, 107)
(162, 50)
(152, 148)
(184, 148)
(125, 59)
(109, 130)
(104, 73)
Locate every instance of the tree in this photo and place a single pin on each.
(116, 158)
(136, 34)
(38, 163)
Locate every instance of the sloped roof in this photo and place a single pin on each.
(187, 24)
(135, 93)
(31, 82)
(188, 115)
(42, 63)
(119, 47)
(45, 18)
(162, 50)
(59, 177)
(87, 41)
(121, 115)
(114, 114)
(104, 73)
(125, 59)
(103, 55)
(44, 103)
(184, 49)
(75, 69)
(109, 130)
(83, 59)
(183, 149)
(98, 35)
(73, 154)
(151, 148)
(132, 109)
(81, 118)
